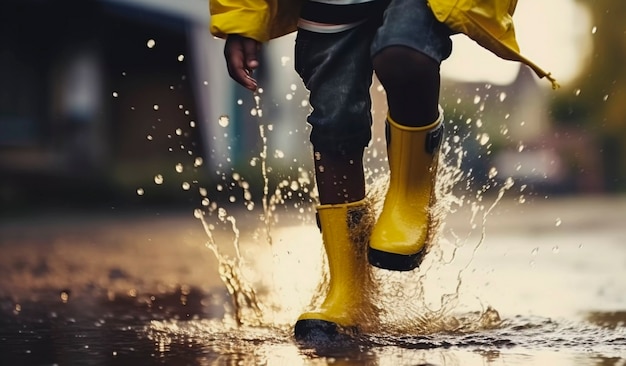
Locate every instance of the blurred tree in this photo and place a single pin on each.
(596, 100)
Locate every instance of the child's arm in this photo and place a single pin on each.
(244, 24)
(241, 59)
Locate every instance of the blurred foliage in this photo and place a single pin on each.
(596, 100)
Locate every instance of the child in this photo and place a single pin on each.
(339, 45)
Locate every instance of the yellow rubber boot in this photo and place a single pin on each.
(345, 305)
(399, 235)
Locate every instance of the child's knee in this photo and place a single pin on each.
(402, 66)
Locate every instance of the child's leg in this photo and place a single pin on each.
(340, 177)
(406, 52)
(411, 80)
(337, 70)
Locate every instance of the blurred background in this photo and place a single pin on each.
(118, 120)
(126, 103)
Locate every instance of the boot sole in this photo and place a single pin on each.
(322, 332)
(393, 261)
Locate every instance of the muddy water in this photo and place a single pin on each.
(545, 287)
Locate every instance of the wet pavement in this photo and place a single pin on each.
(545, 286)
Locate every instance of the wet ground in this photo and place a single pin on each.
(546, 286)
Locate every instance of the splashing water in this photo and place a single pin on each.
(400, 303)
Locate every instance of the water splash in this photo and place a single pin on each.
(246, 308)
(403, 297)
(400, 303)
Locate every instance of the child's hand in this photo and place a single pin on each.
(241, 59)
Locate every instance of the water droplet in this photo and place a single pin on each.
(140, 191)
(558, 222)
(483, 139)
(179, 132)
(493, 172)
(149, 137)
(65, 296)
(205, 202)
(556, 249)
(594, 29)
(151, 43)
(115, 95)
(502, 96)
(223, 121)
(197, 161)
(186, 186)
(605, 98)
(535, 251)
(197, 213)
(577, 92)
(158, 179)
(279, 154)
(477, 99)
(179, 168)
(181, 57)
(289, 96)
(155, 107)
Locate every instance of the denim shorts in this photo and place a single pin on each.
(337, 69)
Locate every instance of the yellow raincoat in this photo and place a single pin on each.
(488, 22)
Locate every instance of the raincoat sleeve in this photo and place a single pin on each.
(490, 24)
(248, 18)
(261, 20)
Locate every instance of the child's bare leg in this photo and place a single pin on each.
(411, 80)
(340, 177)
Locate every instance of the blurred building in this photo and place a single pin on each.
(99, 97)
(92, 94)
(509, 129)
